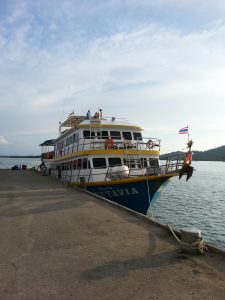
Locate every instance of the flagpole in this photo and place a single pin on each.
(188, 132)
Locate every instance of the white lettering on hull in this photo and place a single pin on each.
(118, 193)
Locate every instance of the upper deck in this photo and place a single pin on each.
(81, 133)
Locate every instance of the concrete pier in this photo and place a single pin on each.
(61, 243)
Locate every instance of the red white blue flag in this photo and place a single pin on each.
(183, 130)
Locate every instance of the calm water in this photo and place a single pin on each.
(8, 163)
(200, 202)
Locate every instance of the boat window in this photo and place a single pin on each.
(144, 162)
(79, 163)
(70, 140)
(99, 163)
(139, 163)
(75, 164)
(76, 138)
(85, 163)
(127, 135)
(129, 162)
(114, 161)
(115, 135)
(60, 145)
(137, 136)
(104, 135)
(153, 162)
(87, 134)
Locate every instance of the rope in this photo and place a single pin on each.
(198, 245)
(149, 200)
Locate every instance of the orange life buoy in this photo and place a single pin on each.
(109, 144)
(188, 158)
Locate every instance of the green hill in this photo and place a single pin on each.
(216, 154)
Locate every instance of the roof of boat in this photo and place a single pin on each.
(48, 143)
(75, 122)
(83, 121)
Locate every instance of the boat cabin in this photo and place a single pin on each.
(101, 149)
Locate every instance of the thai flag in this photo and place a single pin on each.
(183, 130)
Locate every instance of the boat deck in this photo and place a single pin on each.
(61, 243)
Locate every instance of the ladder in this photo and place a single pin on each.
(95, 123)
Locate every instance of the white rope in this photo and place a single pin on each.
(198, 245)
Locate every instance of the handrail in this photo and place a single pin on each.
(169, 168)
(93, 143)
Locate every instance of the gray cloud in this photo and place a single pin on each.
(3, 140)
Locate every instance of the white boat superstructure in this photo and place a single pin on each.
(105, 155)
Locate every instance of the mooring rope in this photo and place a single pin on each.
(198, 245)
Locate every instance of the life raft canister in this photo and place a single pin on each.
(188, 158)
(109, 143)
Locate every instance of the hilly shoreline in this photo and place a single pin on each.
(215, 154)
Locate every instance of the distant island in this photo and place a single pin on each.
(20, 156)
(216, 154)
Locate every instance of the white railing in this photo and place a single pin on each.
(172, 165)
(90, 143)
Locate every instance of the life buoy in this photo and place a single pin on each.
(188, 158)
(150, 144)
(109, 144)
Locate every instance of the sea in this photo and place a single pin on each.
(8, 163)
(199, 202)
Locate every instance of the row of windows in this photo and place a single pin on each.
(70, 140)
(77, 164)
(112, 161)
(115, 135)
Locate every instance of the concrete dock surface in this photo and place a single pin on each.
(61, 243)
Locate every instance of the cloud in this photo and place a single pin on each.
(119, 56)
(3, 141)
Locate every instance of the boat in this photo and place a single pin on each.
(110, 157)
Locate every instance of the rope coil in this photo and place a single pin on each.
(198, 245)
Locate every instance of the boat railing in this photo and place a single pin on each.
(48, 155)
(173, 162)
(99, 143)
(133, 169)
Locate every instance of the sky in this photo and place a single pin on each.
(158, 63)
